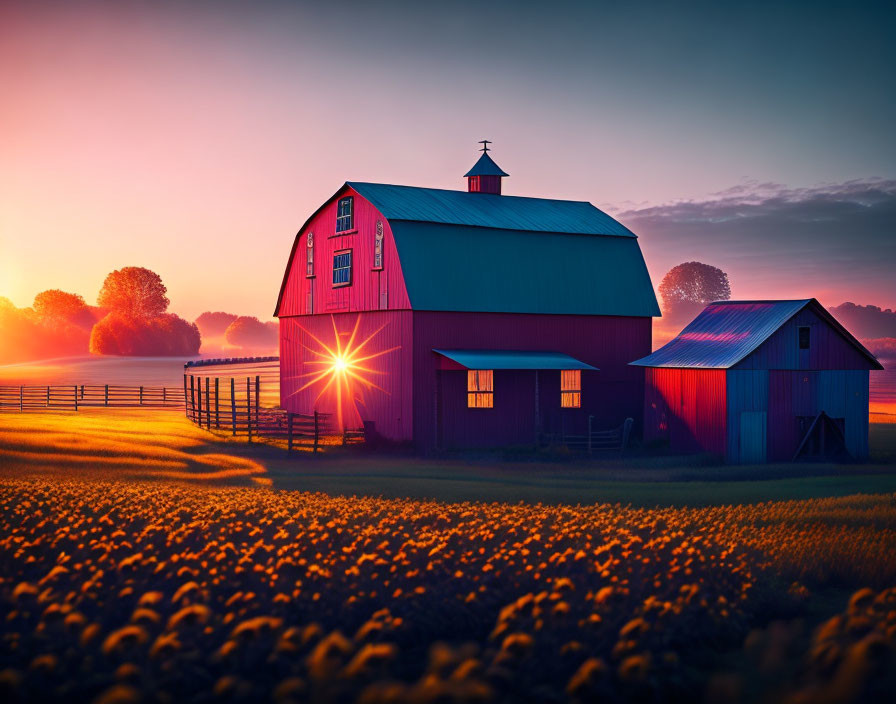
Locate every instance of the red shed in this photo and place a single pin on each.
(461, 319)
(757, 381)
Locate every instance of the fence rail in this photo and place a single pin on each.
(240, 405)
(75, 396)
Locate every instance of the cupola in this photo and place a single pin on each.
(486, 175)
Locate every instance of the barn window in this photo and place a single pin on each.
(344, 214)
(309, 255)
(570, 388)
(378, 246)
(804, 337)
(342, 267)
(480, 388)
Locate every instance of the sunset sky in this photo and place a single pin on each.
(195, 138)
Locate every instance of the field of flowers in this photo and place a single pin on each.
(125, 592)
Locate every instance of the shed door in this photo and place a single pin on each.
(752, 437)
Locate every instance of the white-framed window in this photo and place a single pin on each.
(342, 267)
(570, 388)
(345, 214)
(480, 388)
(378, 246)
(309, 255)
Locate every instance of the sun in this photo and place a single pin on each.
(340, 370)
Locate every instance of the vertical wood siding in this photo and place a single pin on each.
(839, 393)
(828, 349)
(610, 395)
(371, 289)
(687, 408)
(390, 408)
(747, 392)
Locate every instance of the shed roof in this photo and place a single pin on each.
(727, 332)
(488, 210)
(485, 166)
(513, 359)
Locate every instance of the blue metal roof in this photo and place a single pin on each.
(727, 332)
(513, 359)
(485, 167)
(460, 268)
(488, 210)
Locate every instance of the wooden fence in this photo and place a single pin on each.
(75, 396)
(241, 406)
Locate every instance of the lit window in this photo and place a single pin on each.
(570, 388)
(804, 337)
(342, 268)
(309, 255)
(344, 219)
(480, 388)
(378, 246)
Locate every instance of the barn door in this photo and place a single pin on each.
(752, 437)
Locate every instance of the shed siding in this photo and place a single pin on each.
(687, 408)
(610, 395)
(747, 392)
(839, 393)
(390, 408)
(370, 288)
(828, 349)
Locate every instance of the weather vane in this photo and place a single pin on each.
(485, 143)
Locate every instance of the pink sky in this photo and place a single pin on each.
(196, 144)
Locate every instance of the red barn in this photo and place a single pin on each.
(463, 319)
(757, 381)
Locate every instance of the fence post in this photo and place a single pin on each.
(316, 430)
(21, 398)
(164, 395)
(186, 404)
(232, 407)
(76, 397)
(193, 397)
(590, 418)
(249, 407)
(82, 392)
(106, 396)
(208, 406)
(289, 433)
(141, 396)
(257, 394)
(217, 408)
(48, 396)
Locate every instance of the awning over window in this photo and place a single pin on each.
(512, 359)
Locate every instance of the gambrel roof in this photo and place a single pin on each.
(477, 252)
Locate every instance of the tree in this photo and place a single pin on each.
(688, 288)
(214, 324)
(55, 307)
(161, 335)
(250, 332)
(135, 292)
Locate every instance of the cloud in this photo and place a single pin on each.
(835, 242)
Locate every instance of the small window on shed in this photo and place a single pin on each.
(345, 214)
(480, 388)
(804, 335)
(570, 388)
(342, 267)
(378, 246)
(309, 255)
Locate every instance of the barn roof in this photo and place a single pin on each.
(476, 252)
(727, 332)
(487, 210)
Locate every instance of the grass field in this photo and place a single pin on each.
(143, 559)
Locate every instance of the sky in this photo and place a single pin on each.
(195, 138)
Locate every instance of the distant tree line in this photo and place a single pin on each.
(131, 318)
